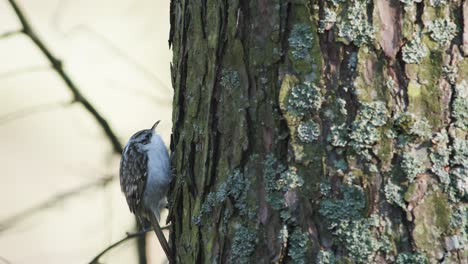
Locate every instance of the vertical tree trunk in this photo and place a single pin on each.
(319, 131)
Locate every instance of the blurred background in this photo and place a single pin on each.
(59, 189)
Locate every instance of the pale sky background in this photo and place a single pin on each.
(117, 53)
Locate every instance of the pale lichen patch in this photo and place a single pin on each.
(354, 27)
(278, 181)
(328, 21)
(326, 257)
(442, 30)
(300, 41)
(358, 238)
(414, 51)
(243, 245)
(230, 79)
(303, 99)
(459, 225)
(411, 258)
(412, 166)
(308, 131)
(365, 128)
(459, 170)
(409, 4)
(298, 244)
(460, 105)
(411, 127)
(394, 194)
(437, 3)
(350, 207)
(450, 73)
(337, 2)
(440, 154)
(236, 187)
(338, 135)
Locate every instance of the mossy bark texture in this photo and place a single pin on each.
(325, 131)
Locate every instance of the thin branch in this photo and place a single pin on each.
(35, 109)
(58, 67)
(10, 34)
(127, 237)
(15, 219)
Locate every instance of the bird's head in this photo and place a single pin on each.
(144, 136)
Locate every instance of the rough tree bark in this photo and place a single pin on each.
(319, 131)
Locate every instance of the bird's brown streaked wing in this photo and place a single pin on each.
(133, 175)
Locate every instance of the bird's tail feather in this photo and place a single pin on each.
(161, 238)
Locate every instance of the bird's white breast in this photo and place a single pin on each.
(159, 175)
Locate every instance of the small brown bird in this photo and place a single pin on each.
(145, 177)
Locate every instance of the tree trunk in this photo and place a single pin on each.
(319, 132)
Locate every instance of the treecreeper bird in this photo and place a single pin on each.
(145, 176)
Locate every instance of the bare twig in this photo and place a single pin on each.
(58, 67)
(60, 197)
(127, 237)
(36, 109)
(10, 34)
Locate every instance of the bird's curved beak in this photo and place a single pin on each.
(153, 128)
